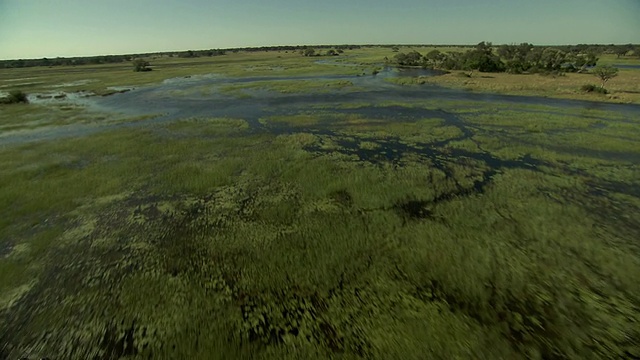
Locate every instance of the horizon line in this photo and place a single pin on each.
(309, 45)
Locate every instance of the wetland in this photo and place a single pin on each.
(273, 207)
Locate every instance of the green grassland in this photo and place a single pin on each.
(19, 117)
(509, 233)
(99, 78)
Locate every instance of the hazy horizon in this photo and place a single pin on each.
(37, 29)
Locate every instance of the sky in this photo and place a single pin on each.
(51, 28)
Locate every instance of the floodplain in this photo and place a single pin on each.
(274, 206)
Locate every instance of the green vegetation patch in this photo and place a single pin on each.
(289, 86)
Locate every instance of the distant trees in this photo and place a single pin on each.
(482, 59)
(605, 73)
(515, 58)
(434, 59)
(140, 65)
(413, 58)
(622, 50)
(308, 51)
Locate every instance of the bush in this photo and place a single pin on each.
(593, 88)
(15, 97)
(141, 65)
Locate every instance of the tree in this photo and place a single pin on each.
(434, 58)
(622, 50)
(605, 73)
(482, 59)
(411, 59)
(309, 52)
(552, 59)
(141, 65)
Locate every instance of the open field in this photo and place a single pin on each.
(625, 88)
(99, 78)
(315, 216)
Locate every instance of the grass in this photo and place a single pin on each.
(479, 231)
(24, 117)
(622, 89)
(289, 86)
(98, 78)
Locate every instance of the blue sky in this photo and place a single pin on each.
(50, 28)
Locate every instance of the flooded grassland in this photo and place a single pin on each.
(319, 216)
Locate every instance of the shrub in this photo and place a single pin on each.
(605, 73)
(15, 97)
(593, 88)
(141, 65)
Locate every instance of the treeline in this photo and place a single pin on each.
(104, 59)
(515, 58)
(296, 48)
(113, 59)
(60, 61)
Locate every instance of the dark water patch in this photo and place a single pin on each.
(627, 66)
(6, 247)
(393, 150)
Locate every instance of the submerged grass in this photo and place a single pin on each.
(289, 86)
(482, 232)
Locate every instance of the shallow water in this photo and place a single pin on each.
(626, 66)
(152, 252)
(166, 98)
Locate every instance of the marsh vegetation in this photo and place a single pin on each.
(285, 209)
